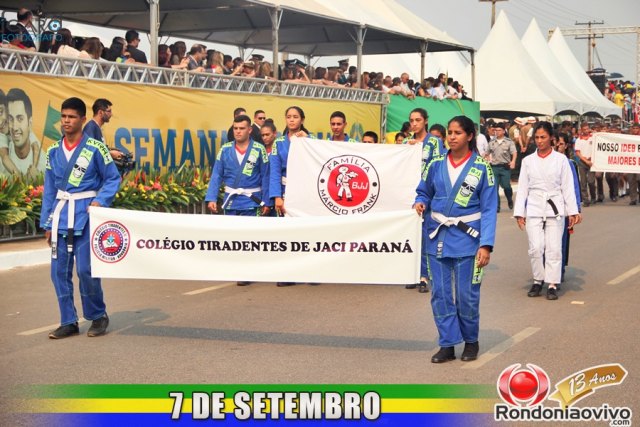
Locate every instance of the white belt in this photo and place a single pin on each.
(236, 191)
(454, 221)
(63, 197)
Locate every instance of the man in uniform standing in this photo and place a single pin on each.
(502, 155)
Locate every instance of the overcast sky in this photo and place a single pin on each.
(469, 22)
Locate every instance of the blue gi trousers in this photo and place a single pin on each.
(455, 300)
(93, 306)
(242, 212)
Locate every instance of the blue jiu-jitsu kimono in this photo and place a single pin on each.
(462, 218)
(246, 183)
(432, 147)
(70, 186)
(278, 165)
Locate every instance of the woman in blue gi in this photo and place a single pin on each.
(294, 117)
(458, 189)
(79, 173)
(432, 146)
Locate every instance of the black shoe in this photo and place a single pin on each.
(535, 290)
(551, 294)
(411, 286)
(65, 331)
(510, 204)
(444, 355)
(244, 283)
(98, 326)
(600, 199)
(423, 287)
(281, 284)
(633, 203)
(470, 351)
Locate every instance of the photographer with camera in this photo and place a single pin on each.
(102, 113)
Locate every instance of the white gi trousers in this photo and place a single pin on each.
(545, 240)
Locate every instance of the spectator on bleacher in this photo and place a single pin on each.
(425, 88)
(404, 86)
(214, 62)
(91, 49)
(437, 91)
(47, 40)
(364, 81)
(265, 71)
(195, 57)
(14, 38)
(335, 75)
(133, 41)
(451, 91)
(321, 77)
(164, 58)
(178, 52)
(25, 28)
(227, 63)
(65, 45)
(343, 65)
(298, 71)
(117, 52)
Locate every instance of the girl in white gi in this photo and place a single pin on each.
(545, 196)
(459, 189)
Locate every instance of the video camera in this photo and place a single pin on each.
(124, 162)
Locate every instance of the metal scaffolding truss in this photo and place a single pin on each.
(23, 62)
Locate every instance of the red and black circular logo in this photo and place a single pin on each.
(110, 242)
(348, 185)
(523, 387)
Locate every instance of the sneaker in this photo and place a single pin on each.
(65, 331)
(470, 351)
(551, 294)
(423, 287)
(244, 283)
(535, 290)
(98, 326)
(444, 355)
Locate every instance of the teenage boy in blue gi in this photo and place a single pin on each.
(79, 173)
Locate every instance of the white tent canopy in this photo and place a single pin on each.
(508, 79)
(536, 45)
(582, 82)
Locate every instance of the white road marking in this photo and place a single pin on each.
(624, 276)
(44, 329)
(495, 351)
(211, 288)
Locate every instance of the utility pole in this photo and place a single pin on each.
(591, 37)
(493, 10)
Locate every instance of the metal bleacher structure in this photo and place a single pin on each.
(25, 62)
(32, 63)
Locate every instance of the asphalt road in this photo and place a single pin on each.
(340, 333)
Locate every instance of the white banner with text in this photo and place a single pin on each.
(378, 248)
(615, 152)
(346, 178)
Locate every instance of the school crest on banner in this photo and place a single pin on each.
(342, 178)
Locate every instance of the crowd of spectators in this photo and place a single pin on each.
(198, 58)
(623, 94)
(520, 131)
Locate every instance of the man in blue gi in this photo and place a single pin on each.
(242, 166)
(79, 173)
(459, 189)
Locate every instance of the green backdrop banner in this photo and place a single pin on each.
(439, 111)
